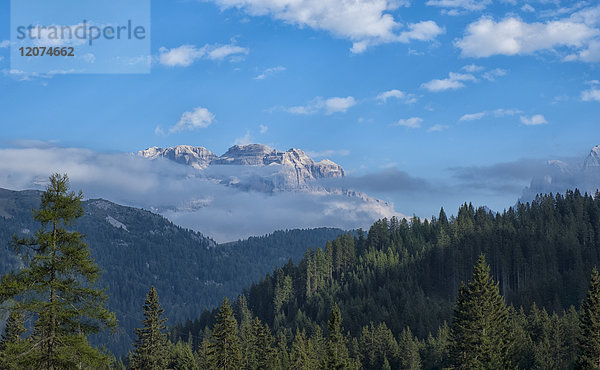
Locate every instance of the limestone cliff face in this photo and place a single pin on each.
(195, 156)
(289, 170)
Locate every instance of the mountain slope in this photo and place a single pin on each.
(136, 249)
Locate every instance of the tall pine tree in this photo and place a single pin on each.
(56, 288)
(151, 350)
(479, 334)
(589, 340)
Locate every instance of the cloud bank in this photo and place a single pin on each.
(224, 211)
(364, 22)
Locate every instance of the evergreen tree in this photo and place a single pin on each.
(225, 350)
(14, 329)
(56, 286)
(589, 340)
(182, 357)
(283, 355)
(337, 352)
(300, 357)
(151, 350)
(409, 351)
(264, 352)
(11, 344)
(479, 334)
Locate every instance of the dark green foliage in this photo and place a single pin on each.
(410, 358)
(191, 271)
(15, 328)
(589, 340)
(151, 351)
(407, 274)
(337, 351)
(56, 287)
(225, 351)
(480, 333)
(12, 345)
(182, 357)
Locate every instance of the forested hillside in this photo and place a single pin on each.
(137, 249)
(405, 275)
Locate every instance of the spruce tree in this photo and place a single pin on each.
(299, 357)
(479, 334)
(56, 288)
(337, 352)
(151, 343)
(225, 349)
(589, 339)
(12, 345)
(14, 329)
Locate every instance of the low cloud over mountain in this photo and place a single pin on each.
(228, 197)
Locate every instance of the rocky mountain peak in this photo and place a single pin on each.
(289, 170)
(195, 156)
(593, 159)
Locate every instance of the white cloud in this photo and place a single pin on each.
(1, 59)
(422, 31)
(329, 106)
(186, 55)
(471, 68)
(198, 118)
(506, 112)
(333, 105)
(453, 82)
(222, 52)
(396, 94)
(246, 139)
(158, 131)
(182, 56)
(537, 119)
(413, 122)
(364, 22)
(263, 129)
(269, 71)
(591, 94)
(472, 116)
(498, 113)
(491, 75)
(527, 8)
(4, 44)
(463, 4)
(513, 36)
(437, 128)
(20, 75)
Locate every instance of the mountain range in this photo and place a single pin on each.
(285, 171)
(560, 175)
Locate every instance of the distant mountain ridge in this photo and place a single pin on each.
(560, 176)
(290, 170)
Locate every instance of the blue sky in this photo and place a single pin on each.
(465, 96)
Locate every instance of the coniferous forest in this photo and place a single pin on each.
(478, 290)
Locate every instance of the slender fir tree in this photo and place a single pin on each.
(151, 343)
(56, 288)
(479, 334)
(12, 345)
(337, 351)
(589, 340)
(225, 349)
